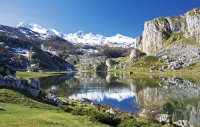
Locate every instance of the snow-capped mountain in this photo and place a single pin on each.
(39, 29)
(82, 38)
(90, 39)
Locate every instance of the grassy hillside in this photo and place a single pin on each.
(19, 110)
(22, 111)
(28, 75)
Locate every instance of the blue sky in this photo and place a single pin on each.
(106, 17)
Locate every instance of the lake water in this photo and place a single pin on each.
(175, 96)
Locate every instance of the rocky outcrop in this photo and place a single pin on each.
(92, 64)
(136, 53)
(110, 63)
(163, 118)
(183, 55)
(32, 87)
(160, 29)
(182, 123)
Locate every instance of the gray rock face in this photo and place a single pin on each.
(53, 99)
(180, 56)
(34, 83)
(92, 64)
(135, 53)
(182, 123)
(163, 118)
(161, 28)
(32, 87)
(110, 63)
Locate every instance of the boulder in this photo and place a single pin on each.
(110, 63)
(32, 91)
(34, 83)
(86, 100)
(152, 69)
(164, 67)
(2, 82)
(163, 118)
(53, 99)
(136, 53)
(111, 111)
(182, 123)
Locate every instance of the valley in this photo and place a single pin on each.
(92, 80)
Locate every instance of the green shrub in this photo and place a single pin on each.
(105, 118)
(80, 111)
(135, 123)
(2, 70)
(66, 108)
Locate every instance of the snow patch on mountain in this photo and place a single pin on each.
(39, 29)
(82, 38)
(90, 39)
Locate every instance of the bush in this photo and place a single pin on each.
(2, 70)
(81, 111)
(135, 123)
(105, 118)
(66, 108)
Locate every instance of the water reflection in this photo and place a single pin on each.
(175, 96)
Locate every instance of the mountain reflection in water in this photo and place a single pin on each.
(175, 96)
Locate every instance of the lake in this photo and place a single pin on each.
(175, 96)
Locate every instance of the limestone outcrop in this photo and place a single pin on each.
(157, 31)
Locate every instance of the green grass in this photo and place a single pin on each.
(22, 111)
(145, 63)
(141, 66)
(178, 38)
(22, 116)
(28, 75)
(21, 98)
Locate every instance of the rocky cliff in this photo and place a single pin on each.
(158, 30)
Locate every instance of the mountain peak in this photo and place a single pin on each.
(81, 37)
(39, 29)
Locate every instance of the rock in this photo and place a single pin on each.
(92, 64)
(144, 113)
(32, 91)
(2, 82)
(111, 111)
(182, 123)
(53, 99)
(2, 109)
(152, 69)
(34, 83)
(86, 100)
(164, 67)
(110, 63)
(136, 53)
(165, 57)
(62, 102)
(161, 28)
(163, 118)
